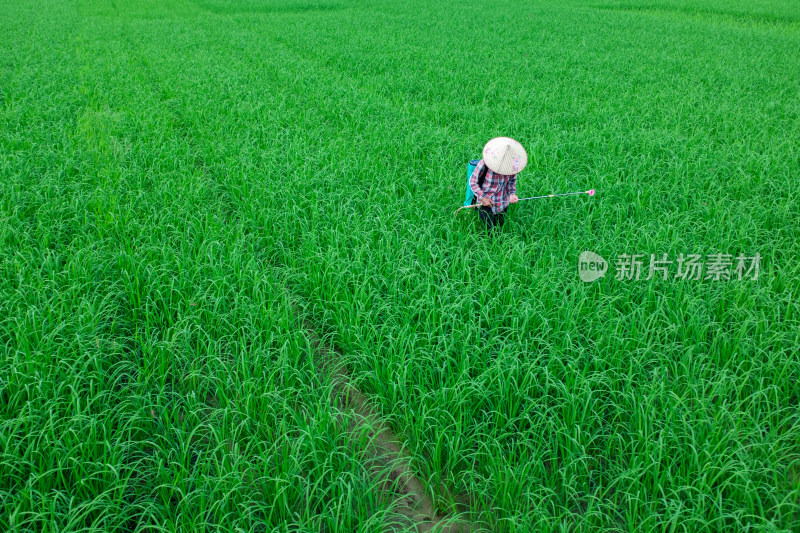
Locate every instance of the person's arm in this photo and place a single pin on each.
(512, 189)
(512, 185)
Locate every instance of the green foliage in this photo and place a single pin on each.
(183, 185)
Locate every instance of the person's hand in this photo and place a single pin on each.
(485, 202)
(513, 199)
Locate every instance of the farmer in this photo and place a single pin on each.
(494, 180)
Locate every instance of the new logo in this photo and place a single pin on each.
(591, 266)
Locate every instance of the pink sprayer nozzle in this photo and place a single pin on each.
(590, 192)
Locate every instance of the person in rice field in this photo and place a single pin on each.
(494, 180)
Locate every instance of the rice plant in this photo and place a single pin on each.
(195, 193)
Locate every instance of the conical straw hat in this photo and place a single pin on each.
(505, 156)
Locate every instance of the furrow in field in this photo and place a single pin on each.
(385, 459)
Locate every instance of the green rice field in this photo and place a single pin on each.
(196, 195)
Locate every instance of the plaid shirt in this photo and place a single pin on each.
(496, 187)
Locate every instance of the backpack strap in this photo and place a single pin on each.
(482, 175)
(481, 179)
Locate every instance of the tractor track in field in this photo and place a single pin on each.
(384, 453)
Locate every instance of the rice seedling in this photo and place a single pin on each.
(194, 195)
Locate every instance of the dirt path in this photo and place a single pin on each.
(384, 453)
